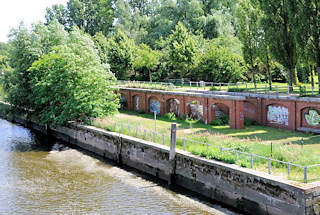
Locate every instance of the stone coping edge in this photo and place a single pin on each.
(186, 93)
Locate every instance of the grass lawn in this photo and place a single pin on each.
(206, 140)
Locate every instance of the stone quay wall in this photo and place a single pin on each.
(282, 111)
(247, 190)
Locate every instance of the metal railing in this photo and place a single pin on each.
(254, 161)
(147, 85)
(226, 87)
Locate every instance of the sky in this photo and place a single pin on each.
(12, 12)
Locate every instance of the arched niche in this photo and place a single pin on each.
(277, 114)
(195, 110)
(173, 106)
(123, 102)
(219, 110)
(136, 103)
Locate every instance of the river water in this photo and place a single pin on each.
(41, 176)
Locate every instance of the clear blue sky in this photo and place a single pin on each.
(12, 12)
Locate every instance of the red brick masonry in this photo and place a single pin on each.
(274, 111)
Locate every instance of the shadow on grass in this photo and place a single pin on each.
(252, 132)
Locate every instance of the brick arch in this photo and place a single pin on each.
(219, 106)
(173, 105)
(123, 101)
(195, 108)
(278, 115)
(250, 110)
(135, 99)
(303, 121)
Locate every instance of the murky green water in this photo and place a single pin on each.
(46, 177)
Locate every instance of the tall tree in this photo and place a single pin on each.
(63, 91)
(121, 54)
(58, 12)
(306, 16)
(182, 50)
(249, 34)
(280, 36)
(27, 47)
(91, 15)
(147, 60)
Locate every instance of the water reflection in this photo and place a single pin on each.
(45, 177)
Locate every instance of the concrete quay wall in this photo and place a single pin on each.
(245, 189)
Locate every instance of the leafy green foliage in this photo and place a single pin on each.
(223, 120)
(70, 83)
(146, 61)
(92, 16)
(279, 30)
(305, 16)
(182, 50)
(171, 116)
(219, 65)
(121, 54)
(4, 57)
(27, 47)
(249, 33)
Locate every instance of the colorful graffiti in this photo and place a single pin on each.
(195, 110)
(312, 117)
(137, 102)
(278, 115)
(174, 106)
(154, 106)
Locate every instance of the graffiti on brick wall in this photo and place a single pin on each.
(174, 106)
(195, 110)
(154, 106)
(137, 102)
(312, 117)
(278, 115)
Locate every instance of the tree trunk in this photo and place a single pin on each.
(295, 79)
(269, 72)
(312, 75)
(290, 71)
(150, 76)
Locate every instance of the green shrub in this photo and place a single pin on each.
(216, 122)
(170, 116)
(223, 120)
(248, 122)
(71, 84)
